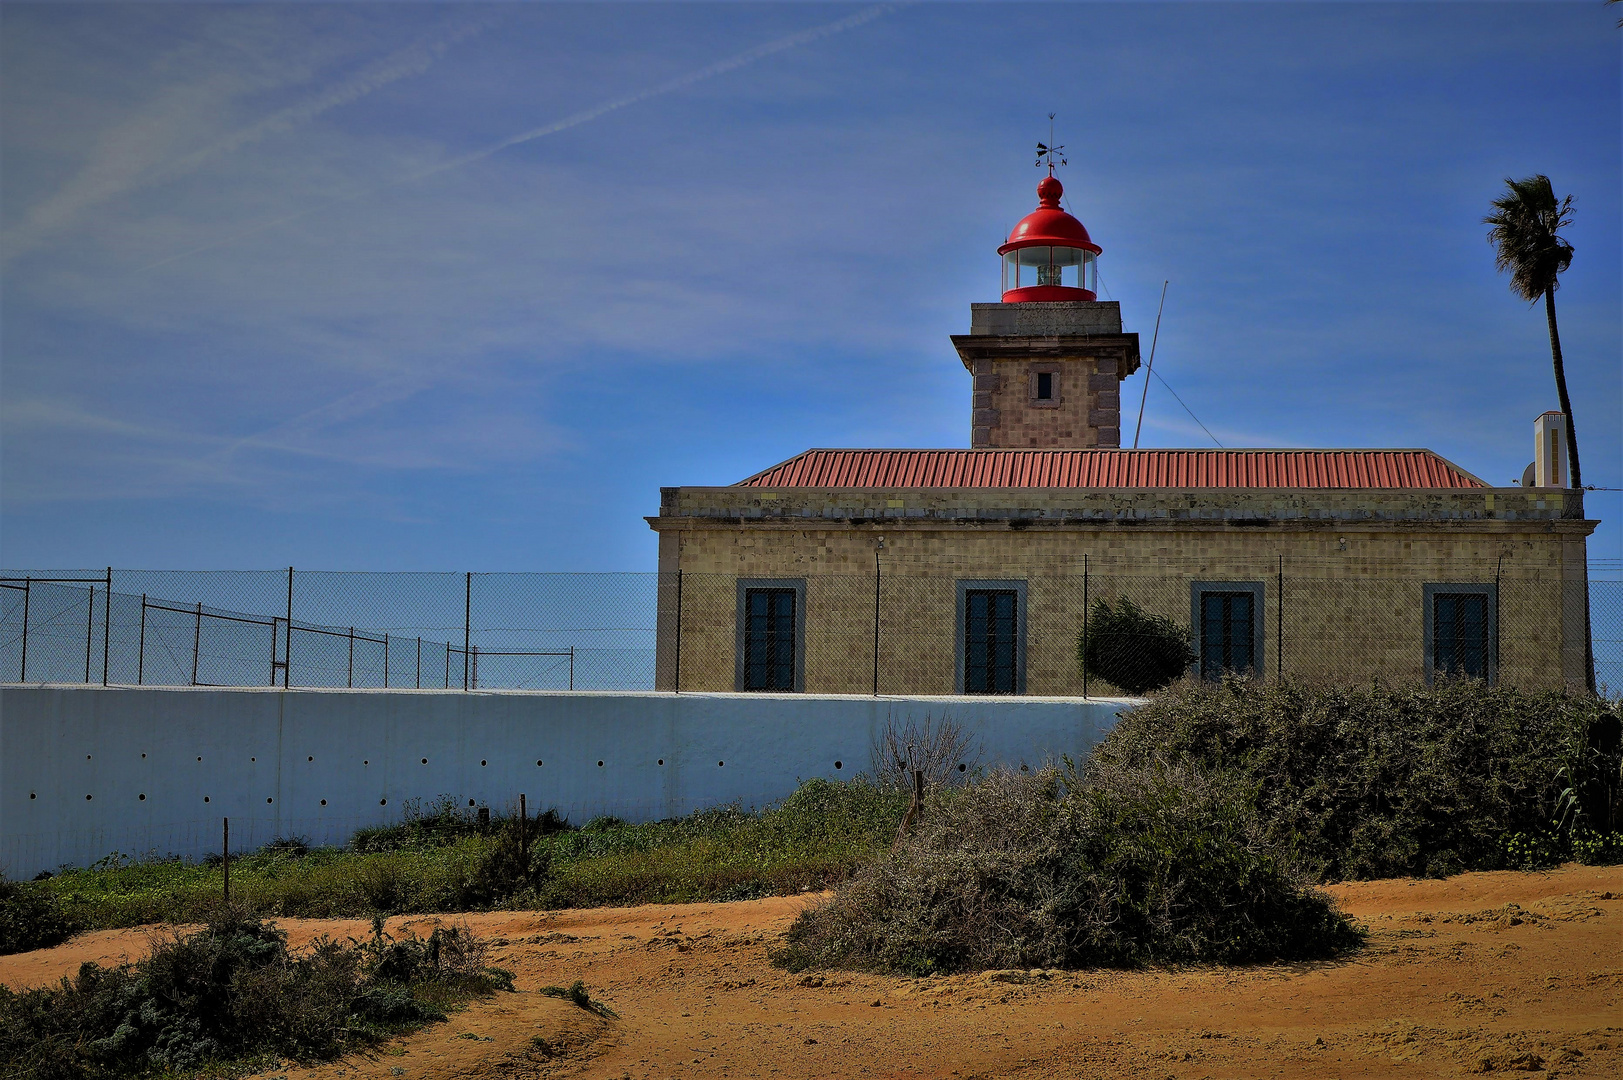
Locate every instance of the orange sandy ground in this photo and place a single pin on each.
(1482, 973)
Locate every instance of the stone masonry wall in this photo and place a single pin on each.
(1352, 590)
(1084, 412)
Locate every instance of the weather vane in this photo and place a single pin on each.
(1049, 154)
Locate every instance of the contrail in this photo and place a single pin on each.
(104, 180)
(720, 67)
(414, 59)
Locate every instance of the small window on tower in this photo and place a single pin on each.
(1045, 386)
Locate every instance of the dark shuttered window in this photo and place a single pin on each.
(991, 645)
(1228, 633)
(1460, 634)
(769, 639)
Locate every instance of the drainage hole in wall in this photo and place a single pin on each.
(31, 795)
(482, 762)
(323, 802)
(538, 764)
(87, 757)
(839, 764)
(383, 802)
(470, 802)
(199, 759)
(962, 766)
(719, 764)
(600, 764)
(310, 758)
(662, 761)
(143, 798)
(253, 759)
(365, 762)
(205, 798)
(143, 755)
(425, 761)
(87, 798)
(267, 800)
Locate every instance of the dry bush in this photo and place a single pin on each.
(232, 992)
(1121, 867)
(945, 752)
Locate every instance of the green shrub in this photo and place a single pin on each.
(232, 992)
(1380, 781)
(1129, 648)
(1119, 867)
(31, 917)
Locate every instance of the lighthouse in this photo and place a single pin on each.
(1047, 361)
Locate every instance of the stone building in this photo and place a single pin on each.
(975, 571)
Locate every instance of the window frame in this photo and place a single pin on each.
(1054, 371)
(964, 586)
(1259, 621)
(741, 632)
(1430, 591)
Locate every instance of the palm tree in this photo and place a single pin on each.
(1526, 222)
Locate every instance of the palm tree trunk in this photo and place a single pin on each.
(1577, 473)
(1561, 388)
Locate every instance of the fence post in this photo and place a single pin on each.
(467, 626)
(287, 649)
(386, 659)
(22, 672)
(1084, 627)
(107, 628)
(678, 630)
(448, 665)
(1279, 623)
(419, 679)
(141, 649)
(197, 641)
(571, 667)
(90, 629)
(276, 632)
(349, 680)
(876, 622)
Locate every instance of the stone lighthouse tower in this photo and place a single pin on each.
(1047, 361)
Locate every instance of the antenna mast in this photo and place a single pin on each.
(1142, 397)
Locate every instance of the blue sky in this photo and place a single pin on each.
(444, 287)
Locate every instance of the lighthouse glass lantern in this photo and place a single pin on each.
(1049, 256)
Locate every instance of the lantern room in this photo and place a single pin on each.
(1049, 255)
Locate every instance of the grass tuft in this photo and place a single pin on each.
(576, 992)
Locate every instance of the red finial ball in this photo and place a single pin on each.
(1048, 192)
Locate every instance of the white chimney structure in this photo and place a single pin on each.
(1550, 450)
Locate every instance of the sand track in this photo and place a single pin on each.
(1480, 974)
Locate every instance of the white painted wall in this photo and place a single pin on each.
(76, 761)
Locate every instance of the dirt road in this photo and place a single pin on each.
(1501, 973)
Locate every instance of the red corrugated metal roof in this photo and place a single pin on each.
(1115, 469)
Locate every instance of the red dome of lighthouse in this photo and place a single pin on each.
(1049, 255)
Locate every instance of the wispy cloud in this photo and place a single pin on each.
(145, 150)
(709, 71)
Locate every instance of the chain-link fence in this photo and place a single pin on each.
(1085, 626)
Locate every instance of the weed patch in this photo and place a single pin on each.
(444, 859)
